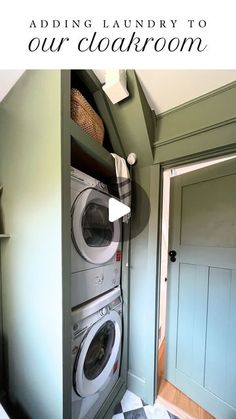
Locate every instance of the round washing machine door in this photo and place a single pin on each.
(97, 355)
(93, 235)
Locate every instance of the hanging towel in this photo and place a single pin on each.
(123, 182)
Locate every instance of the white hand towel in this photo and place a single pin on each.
(123, 182)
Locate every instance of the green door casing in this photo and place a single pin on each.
(201, 307)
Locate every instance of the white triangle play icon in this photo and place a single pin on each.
(116, 209)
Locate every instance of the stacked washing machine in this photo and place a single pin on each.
(95, 295)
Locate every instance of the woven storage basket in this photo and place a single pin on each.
(85, 116)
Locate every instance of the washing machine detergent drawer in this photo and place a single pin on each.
(88, 284)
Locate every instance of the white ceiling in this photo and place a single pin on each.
(7, 79)
(164, 89)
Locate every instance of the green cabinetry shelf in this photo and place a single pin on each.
(86, 152)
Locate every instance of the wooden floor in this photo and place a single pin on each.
(176, 401)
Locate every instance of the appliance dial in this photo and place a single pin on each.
(103, 311)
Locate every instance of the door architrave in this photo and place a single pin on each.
(181, 161)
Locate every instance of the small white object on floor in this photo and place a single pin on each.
(130, 402)
(156, 412)
(117, 416)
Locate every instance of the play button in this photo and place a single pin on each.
(116, 209)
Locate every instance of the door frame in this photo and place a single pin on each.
(168, 164)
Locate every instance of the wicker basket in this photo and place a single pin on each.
(85, 116)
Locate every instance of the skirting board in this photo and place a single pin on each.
(138, 386)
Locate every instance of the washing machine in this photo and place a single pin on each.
(95, 241)
(96, 352)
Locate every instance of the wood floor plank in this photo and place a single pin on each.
(176, 401)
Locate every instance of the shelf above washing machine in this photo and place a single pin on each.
(86, 152)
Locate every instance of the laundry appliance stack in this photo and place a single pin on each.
(96, 302)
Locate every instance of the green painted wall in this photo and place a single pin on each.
(31, 172)
(197, 126)
(189, 132)
(143, 260)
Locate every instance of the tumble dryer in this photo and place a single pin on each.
(96, 352)
(95, 241)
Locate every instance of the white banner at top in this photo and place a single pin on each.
(169, 34)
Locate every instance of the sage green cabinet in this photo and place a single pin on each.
(36, 134)
(34, 169)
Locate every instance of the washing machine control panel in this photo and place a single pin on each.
(117, 302)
